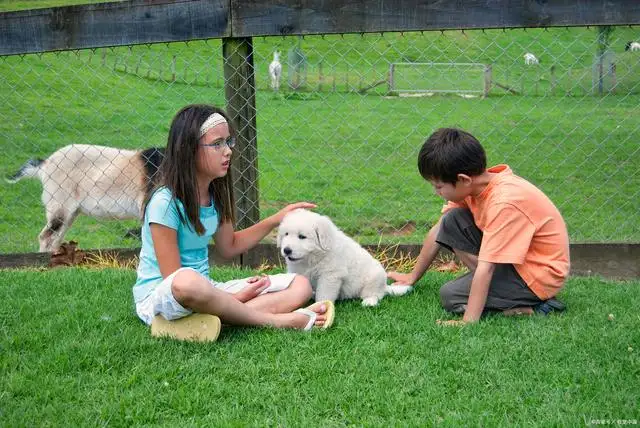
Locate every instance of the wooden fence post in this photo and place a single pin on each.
(614, 79)
(487, 80)
(126, 59)
(173, 69)
(240, 93)
(333, 86)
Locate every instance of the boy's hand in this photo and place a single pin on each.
(400, 278)
(255, 286)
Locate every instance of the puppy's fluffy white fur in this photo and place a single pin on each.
(337, 266)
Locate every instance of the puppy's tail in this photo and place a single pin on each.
(397, 290)
(29, 169)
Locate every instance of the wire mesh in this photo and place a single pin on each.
(332, 129)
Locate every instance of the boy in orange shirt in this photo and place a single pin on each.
(503, 228)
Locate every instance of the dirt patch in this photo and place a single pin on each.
(390, 230)
(67, 255)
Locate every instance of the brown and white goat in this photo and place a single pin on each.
(95, 180)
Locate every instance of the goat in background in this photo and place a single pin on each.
(632, 46)
(530, 59)
(95, 180)
(275, 71)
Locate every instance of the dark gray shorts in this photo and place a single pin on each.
(458, 232)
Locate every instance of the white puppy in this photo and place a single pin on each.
(337, 266)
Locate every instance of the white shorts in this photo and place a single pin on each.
(162, 302)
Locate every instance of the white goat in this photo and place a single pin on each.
(530, 59)
(275, 71)
(95, 180)
(632, 46)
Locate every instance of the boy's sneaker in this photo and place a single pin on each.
(548, 306)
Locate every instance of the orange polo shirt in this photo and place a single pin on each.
(521, 226)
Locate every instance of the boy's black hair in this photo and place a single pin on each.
(449, 152)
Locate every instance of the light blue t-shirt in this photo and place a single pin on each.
(193, 249)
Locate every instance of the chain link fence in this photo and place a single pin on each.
(341, 125)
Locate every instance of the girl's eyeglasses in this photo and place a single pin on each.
(219, 144)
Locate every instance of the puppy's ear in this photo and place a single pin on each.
(325, 230)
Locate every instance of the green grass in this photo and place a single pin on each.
(72, 352)
(354, 154)
(12, 5)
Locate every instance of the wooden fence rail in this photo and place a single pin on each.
(141, 21)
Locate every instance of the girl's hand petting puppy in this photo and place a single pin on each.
(283, 212)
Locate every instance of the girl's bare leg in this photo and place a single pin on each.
(280, 302)
(195, 292)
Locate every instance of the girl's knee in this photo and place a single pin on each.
(302, 287)
(186, 284)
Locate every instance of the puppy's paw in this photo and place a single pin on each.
(398, 290)
(370, 301)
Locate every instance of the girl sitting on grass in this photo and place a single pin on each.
(173, 292)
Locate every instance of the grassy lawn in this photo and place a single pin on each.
(11, 5)
(72, 352)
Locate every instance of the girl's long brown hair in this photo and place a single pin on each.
(178, 168)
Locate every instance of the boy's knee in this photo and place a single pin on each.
(454, 217)
(450, 300)
(446, 297)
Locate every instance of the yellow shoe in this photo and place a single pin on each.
(192, 328)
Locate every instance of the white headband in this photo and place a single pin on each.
(214, 120)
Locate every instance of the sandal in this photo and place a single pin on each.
(192, 328)
(329, 313)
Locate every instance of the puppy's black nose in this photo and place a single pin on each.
(287, 251)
